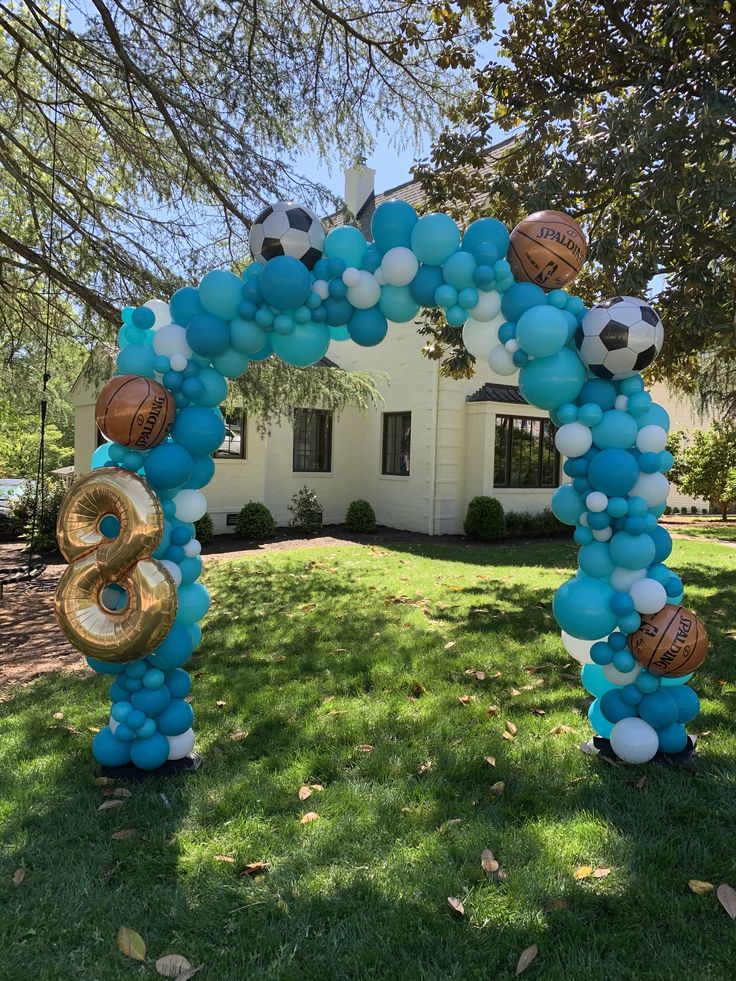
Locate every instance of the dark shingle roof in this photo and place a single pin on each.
(492, 392)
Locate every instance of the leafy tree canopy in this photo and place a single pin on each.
(624, 117)
(705, 463)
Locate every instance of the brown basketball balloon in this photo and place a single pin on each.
(135, 411)
(547, 248)
(672, 642)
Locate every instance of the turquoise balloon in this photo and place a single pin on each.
(174, 650)
(346, 243)
(434, 238)
(231, 363)
(286, 282)
(101, 456)
(151, 753)
(392, 224)
(522, 297)
(486, 230)
(179, 683)
(550, 382)
(595, 560)
(688, 703)
(631, 551)
(306, 345)
(655, 416)
(582, 607)
(151, 701)
(339, 333)
(194, 601)
(184, 305)
(673, 739)
(191, 569)
(616, 430)
(595, 681)
(598, 721)
(199, 429)
(458, 270)
(615, 708)
(397, 303)
(669, 682)
(220, 293)
(136, 359)
(368, 327)
(567, 504)
(105, 667)
(214, 390)
(541, 331)
(659, 709)
(176, 718)
(246, 336)
(108, 750)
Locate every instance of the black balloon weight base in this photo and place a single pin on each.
(603, 748)
(171, 768)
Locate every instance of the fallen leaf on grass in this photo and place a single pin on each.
(220, 703)
(18, 876)
(640, 783)
(424, 767)
(450, 644)
(601, 873)
(417, 690)
(492, 710)
(239, 734)
(305, 792)
(317, 786)
(465, 699)
(527, 956)
(508, 736)
(490, 760)
(309, 817)
(727, 899)
(488, 862)
(131, 944)
(225, 858)
(449, 824)
(121, 792)
(172, 965)
(511, 728)
(699, 887)
(538, 711)
(456, 905)
(104, 782)
(366, 748)
(583, 872)
(498, 788)
(107, 804)
(515, 692)
(59, 715)
(120, 835)
(253, 868)
(282, 905)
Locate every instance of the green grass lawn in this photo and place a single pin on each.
(706, 528)
(350, 668)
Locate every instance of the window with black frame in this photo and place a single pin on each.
(233, 446)
(396, 444)
(525, 453)
(312, 441)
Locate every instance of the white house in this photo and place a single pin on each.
(433, 445)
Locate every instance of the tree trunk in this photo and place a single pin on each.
(724, 510)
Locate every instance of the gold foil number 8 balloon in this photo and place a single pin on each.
(96, 561)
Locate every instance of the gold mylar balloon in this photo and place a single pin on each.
(96, 561)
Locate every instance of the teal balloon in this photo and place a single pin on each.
(613, 471)
(306, 345)
(672, 739)
(598, 721)
(655, 416)
(346, 243)
(397, 304)
(151, 753)
(246, 336)
(136, 359)
(105, 667)
(615, 708)
(434, 238)
(458, 270)
(202, 472)
(368, 327)
(208, 335)
(168, 465)
(392, 224)
(671, 682)
(486, 230)
(151, 701)
(567, 504)
(425, 285)
(616, 430)
(184, 305)
(199, 429)
(339, 333)
(220, 293)
(174, 650)
(109, 526)
(688, 703)
(108, 750)
(582, 607)
(595, 560)
(659, 709)
(191, 569)
(179, 683)
(231, 363)
(194, 601)
(595, 681)
(602, 393)
(550, 382)
(176, 718)
(631, 551)
(522, 297)
(286, 282)
(214, 390)
(101, 456)
(541, 331)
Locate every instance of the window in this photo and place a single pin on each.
(233, 446)
(312, 441)
(396, 443)
(525, 453)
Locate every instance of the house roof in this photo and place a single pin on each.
(492, 392)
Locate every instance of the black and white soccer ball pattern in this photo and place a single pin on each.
(287, 228)
(619, 336)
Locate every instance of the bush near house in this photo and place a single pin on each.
(305, 510)
(44, 538)
(255, 522)
(538, 523)
(485, 519)
(204, 529)
(360, 517)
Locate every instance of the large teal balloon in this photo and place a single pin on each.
(631, 551)
(520, 298)
(434, 238)
(582, 607)
(541, 331)
(367, 327)
(616, 430)
(109, 751)
(194, 601)
(286, 282)
(151, 753)
(392, 224)
(347, 243)
(220, 293)
(199, 429)
(306, 345)
(550, 382)
(598, 720)
(231, 363)
(214, 388)
(567, 504)
(246, 336)
(136, 359)
(594, 559)
(595, 681)
(398, 304)
(487, 230)
(184, 305)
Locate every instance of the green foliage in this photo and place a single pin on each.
(204, 529)
(305, 510)
(534, 523)
(19, 443)
(44, 538)
(622, 115)
(485, 519)
(255, 522)
(360, 518)
(705, 463)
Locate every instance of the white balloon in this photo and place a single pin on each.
(365, 292)
(399, 266)
(488, 305)
(596, 501)
(651, 439)
(178, 362)
(623, 579)
(649, 596)
(112, 724)
(577, 648)
(161, 312)
(351, 276)
(171, 339)
(501, 361)
(634, 740)
(573, 439)
(192, 548)
(602, 534)
(380, 277)
(512, 345)
(180, 745)
(173, 569)
(321, 288)
(617, 677)
(583, 520)
(622, 403)
(190, 505)
(481, 336)
(653, 487)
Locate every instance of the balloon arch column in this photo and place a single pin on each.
(129, 598)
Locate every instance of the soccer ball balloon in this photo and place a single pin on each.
(287, 228)
(619, 336)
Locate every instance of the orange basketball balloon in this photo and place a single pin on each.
(135, 411)
(672, 642)
(547, 248)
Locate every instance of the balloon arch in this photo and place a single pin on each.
(130, 599)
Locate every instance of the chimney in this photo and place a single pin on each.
(359, 186)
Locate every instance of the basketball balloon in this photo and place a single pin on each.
(135, 411)
(547, 248)
(672, 642)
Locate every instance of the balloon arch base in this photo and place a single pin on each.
(686, 758)
(186, 766)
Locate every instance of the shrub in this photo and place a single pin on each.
(540, 523)
(305, 510)
(44, 538)
(668, 510)
(485, 519)
(360, 517)
(693, 509)
(255, 522)
(204, 529)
